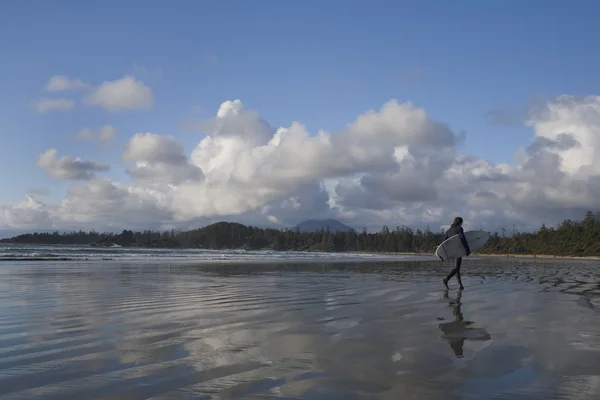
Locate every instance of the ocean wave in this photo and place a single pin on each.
(84, 253)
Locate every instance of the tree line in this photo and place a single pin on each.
(228, 235)
(569, 238)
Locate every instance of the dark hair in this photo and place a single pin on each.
(457, 221)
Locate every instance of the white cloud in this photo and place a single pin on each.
(59, 83)
(389, 166)
(69, 168)
(28, 214)
(104, 135)
(159, 159)
(124, 93)
(112, 205)
(53, 104)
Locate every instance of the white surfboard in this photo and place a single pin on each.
(452, 248)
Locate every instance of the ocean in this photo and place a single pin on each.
(25, 252)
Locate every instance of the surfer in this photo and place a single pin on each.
(457, 229)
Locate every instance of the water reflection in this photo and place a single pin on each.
(299, 331)
(459, 330)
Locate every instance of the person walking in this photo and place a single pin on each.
(457, 229)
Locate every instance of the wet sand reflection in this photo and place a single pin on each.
(310, 331)
(459, 330)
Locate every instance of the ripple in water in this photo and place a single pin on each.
(521, 330)
(26, 252)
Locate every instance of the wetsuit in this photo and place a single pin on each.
(457, 230)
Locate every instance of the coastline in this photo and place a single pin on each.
(374, 254)
(381, 262)
(495, 255)
(187, 255)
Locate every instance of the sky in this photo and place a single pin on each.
(159, 115)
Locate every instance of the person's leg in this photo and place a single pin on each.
(458, 264)
(453, 272)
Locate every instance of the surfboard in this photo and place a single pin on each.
(452, 248)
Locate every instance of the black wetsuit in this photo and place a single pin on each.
(457, 230)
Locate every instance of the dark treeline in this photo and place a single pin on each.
(569, 238)
(225, 235)
(572, 238)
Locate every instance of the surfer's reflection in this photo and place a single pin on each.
(459, 330)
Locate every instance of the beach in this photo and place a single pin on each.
(299, 329)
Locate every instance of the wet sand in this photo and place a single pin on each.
(522, 329)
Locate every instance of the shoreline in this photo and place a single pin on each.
(374, 254)
(388, 261)
(492, 255)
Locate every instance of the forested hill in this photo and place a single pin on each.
(570, 238)
(225, 235)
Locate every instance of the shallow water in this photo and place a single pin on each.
(31, 252)
(520, 330)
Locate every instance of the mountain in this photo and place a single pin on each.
(316, 225)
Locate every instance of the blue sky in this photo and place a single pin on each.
(321, 63)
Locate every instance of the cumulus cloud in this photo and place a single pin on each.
(101, 202)
(69, 168)
(124, 93)
(159, 159)
(53, 104)
(59, 83)
(28, 214)
(394, 165)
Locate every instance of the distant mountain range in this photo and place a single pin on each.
(314, 225)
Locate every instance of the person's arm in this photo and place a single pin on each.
(463, 239)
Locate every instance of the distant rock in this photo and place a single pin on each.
(316, 225)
